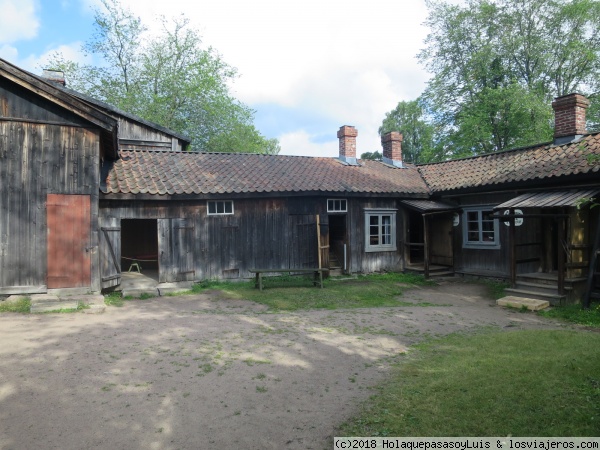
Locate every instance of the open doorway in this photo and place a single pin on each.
(139, 246)
(337, 242)
(415, 238)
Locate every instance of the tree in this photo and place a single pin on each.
(372, 156)
(408, 118)
(168, 79)
(497, 64)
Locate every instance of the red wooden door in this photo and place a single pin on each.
(68, 241)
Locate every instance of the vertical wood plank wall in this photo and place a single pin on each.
(36, 160)
(275, 233)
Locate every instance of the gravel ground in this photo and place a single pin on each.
(198, 372)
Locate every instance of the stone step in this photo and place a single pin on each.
(518, 302)
(47, 306)
(554, 299)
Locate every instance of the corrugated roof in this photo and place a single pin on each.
(520, 165)
(429, 205)
(168, 173)
(549, 199)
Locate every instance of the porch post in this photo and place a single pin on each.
(561, 256)
(513, 249)
(426, 245)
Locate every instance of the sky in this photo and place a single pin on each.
(306, 67)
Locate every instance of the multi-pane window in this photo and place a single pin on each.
(337, 205)
(480, 228)
(220, 207)
(380, 230)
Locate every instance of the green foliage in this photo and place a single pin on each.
(522, 383)
(169, 79)
(20, 306)
(290, 293)
(575, 314)
(408, 118)
(373, 156)
(496, 66)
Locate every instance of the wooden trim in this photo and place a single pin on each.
(8, 290)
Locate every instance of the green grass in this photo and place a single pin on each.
(290, 293)
(496, 288)
(20, 306)
(574, 313)
(522, 383)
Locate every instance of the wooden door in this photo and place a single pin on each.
(69, 261)
(303, 245)
(176, 250)
(110, 252)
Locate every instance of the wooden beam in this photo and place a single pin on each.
(319, 240)
(512, 249)
(561, 256)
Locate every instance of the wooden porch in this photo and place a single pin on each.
(546, 286)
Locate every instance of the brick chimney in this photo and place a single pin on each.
(392, 148)
(54, 76)
(569, 117)
(347, 136)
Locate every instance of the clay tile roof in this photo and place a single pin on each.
(162, 173)
(519, 165)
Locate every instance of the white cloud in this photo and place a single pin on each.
(8, 52)
(302, 143)
(18, 20)
(35, 63)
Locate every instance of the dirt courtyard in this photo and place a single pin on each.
(199, 372)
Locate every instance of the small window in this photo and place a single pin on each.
(220, 207)
(480, 229)
(337, 205)
(380, 230)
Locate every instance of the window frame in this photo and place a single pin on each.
(216, 203)
(380, 213)
(334, 200)
(480, 229)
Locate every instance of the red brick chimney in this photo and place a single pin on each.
(347, 136)
(569, 117)
(392, 148)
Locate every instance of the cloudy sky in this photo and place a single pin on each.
(306, 67)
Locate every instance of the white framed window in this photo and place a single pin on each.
(480, 230)
(337, 205)
(219, 207)
(380, 230)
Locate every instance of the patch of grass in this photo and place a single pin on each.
(496, 288)
(574, 314)
(114, 299)
(261, 389)
(522, 383)
(290, 293)
(20, 306)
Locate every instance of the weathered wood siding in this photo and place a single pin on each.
(262, 233)
(37, 159)
(137, 136)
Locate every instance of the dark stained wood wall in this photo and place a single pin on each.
(262, 233)
(37, 159)
(149, 138)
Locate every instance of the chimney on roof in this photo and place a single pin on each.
(347, 136)
(569, 117)
(54, 76)
(392, 148)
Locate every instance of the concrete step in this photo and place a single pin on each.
(138, 292)
(554, 298)
(518, 302)
(48, 302)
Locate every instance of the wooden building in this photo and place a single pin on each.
(88, 192)
(54, 146)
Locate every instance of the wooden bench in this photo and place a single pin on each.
(317, 275)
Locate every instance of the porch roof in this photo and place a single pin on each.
(549, 199)
(426, 206)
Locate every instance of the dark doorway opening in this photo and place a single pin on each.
(416, 238)
(337, 241)
(139, 245)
